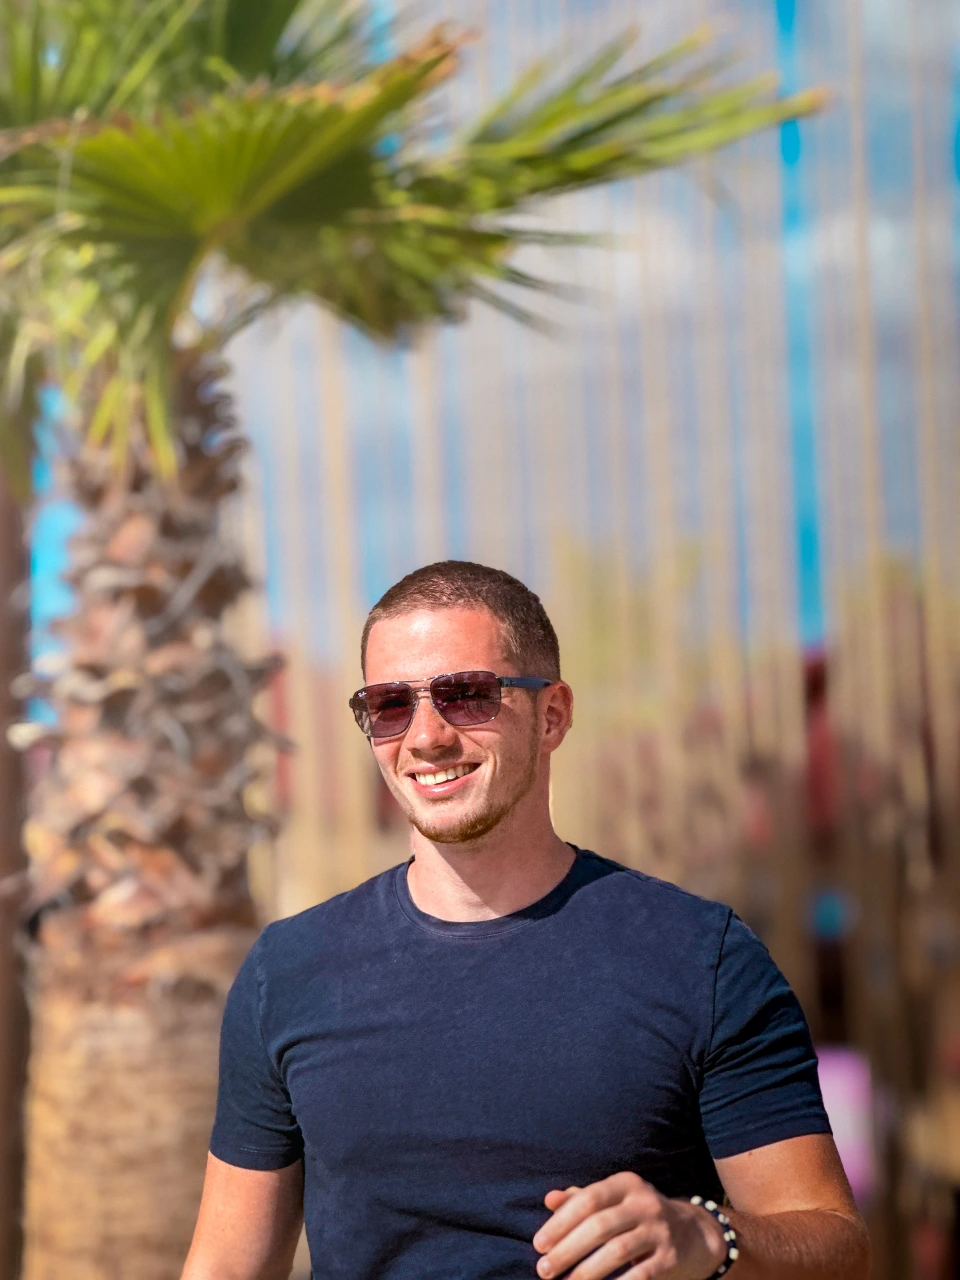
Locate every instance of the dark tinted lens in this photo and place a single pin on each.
(387, 709)
(469, 697)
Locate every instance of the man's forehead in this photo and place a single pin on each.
(445, 620)
(453, 634)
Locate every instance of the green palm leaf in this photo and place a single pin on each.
(61, 56)
(96, 56)
(293, 186)
(287, 40)
(590, 129)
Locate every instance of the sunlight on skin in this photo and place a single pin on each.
(773, 1191)
(506, 795)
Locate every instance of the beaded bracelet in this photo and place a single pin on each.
(729, 1235)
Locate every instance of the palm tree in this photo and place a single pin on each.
(249, 153)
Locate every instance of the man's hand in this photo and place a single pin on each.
(793, 1212)
(621, 1221)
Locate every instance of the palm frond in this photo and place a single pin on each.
(445, 223)
(61, 56)
(292, 186)
(591, 129)
(289, 40)
(58, 57)
(141, 206)
(157, 197)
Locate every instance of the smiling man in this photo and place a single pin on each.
(510, 1057)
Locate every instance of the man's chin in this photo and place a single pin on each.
(458, 829)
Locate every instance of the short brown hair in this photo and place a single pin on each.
(528, 634)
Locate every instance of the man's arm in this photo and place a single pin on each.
(792, 1209)
(248, 1225)
(794, 1212)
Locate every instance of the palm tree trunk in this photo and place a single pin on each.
(137, 834)
(118, 1121)
(13, 1016)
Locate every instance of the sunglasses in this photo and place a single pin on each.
(464, 698)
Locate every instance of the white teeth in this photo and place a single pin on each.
(444, 775)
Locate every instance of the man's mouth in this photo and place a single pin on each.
(438, 776)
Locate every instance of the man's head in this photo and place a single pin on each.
(457, 616)
(529, 639)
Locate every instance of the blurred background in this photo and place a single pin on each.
(728, 462)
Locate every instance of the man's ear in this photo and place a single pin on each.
(556, 714)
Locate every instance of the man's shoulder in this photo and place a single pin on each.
(638, 891)
(346, 914)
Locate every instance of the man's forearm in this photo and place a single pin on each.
(211, 1269)
(249, 1223)
(206, 1261)
(806, 1244)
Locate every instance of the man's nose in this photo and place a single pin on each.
(428, 725)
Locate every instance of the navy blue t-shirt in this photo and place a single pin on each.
(438, 1078)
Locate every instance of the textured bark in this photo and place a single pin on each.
(121, 1093)
(137, 835)
(13, 1021)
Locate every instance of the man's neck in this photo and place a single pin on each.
(486, 878)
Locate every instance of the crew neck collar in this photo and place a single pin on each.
(543, 907)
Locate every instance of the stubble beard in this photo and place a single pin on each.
(472, 826)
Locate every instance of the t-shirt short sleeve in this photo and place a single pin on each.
(255, 1127)
(759, 1081)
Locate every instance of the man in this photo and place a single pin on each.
(510, 1057)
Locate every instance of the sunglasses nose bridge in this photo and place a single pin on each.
(423, 693)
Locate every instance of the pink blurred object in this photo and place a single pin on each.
(848, 1097)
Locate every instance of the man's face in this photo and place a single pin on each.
(499, 761)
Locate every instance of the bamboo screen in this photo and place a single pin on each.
(737, 445)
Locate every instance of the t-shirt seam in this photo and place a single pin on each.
(453, 935)
(322, 909)
(677, 890)
(498, 933)
(716, 981)
(261, 999)
(713, 1003)
(776, 1130)
(226, 1150)
(258, 1151)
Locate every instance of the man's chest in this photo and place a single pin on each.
(561, 1068)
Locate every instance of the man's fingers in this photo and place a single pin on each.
(592, 1199)
(622, 1249)
(573, 1211)
(595, 1230)
(554, 1199)
(655, 1265)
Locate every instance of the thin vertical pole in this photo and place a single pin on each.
(306, 877)
(940, 702)
(664, 578)
(879, 865)
(249, 629)
(356, 771)
(844, 675)
(761, 559)
(874, 655)
(13, 1013)
(777, 699)
(629, 832)
(717, 461)
(429, 498)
